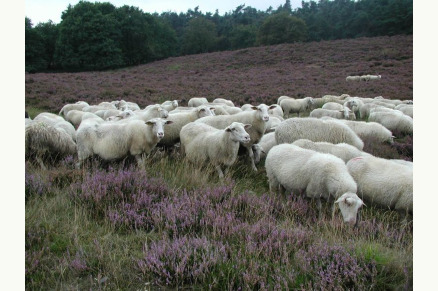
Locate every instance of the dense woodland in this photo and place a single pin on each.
(100, 36)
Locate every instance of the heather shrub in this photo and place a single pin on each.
(36, 185)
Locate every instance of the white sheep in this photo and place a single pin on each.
(341, 150)
(267, 142)
(223, 109)
(272, 123)
(407, 109)
(203, 143)
(179, 120)
(394, 121)
(282, 98)
(352, 78)
(224, 101)
(122, 115)
(151, 111)
(277, 111)
(258, 118)
(77, 106)
(170, 105)
(403, 162)
(291, 168)
(374, 77)
(116, 140)
(345, 113)
(107, 105)
(196, 101)
(124, 105)
(57, 121)
(75, 117)
(44, 142)
(334, 98)
(333, 106)
(383, 182)
(291, 106)
(316, 129)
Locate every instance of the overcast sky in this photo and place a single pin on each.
(45, 10)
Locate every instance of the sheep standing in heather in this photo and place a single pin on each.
(282, 98)
(333, 106)
(341, 150)
(316, 129)
(258, 118)
(179, 120)
(383, 182)
(394, 121)
(352, 78)
(407, 109)
(75, 117)
(46, 143)
(345, 113)
(151, 111)
(57, 122)
(203, 143)
(116, 140)
(298, 106)
(197, 101)
(320, 175)
(77, 106)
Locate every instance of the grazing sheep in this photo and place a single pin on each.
(258, 118)
(345, 113)
(267, 142)
(282, 98)
(151, 111)
(75, 117)
(383, 182)
(124, 105)
(115, 140)
(170, 105)
(320, 175)
(403, 162)
(272, 123)
(46, 143)
(369, 130)
(290, 106)
(394, 121)
(318, 102)
(203, 143)
(223, 109)
(364, 110)
(333, 106)
(76, 106)
(341, 150)
(107, 105)
(316, 129)
(224, 101)
(258, 152)
(374, 77)
(197, 101)
(407, 109)
(179, 120)
(352, 78)
(334, 98)
(56, 121)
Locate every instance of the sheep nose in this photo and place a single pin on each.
(160, 134)
(266, 118)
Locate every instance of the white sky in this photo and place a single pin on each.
(45, 10)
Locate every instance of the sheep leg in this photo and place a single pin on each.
(251, 157)
(219, 171)
(319, 206)
(140, 161)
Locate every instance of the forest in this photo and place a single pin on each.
(100, 36)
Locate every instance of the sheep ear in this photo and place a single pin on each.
(254, 108)
(212, 108)
(150, 122)
(272, 107)
(202, 109)
(228, 129)
(340, 199)
(168, 122)
(247, 126)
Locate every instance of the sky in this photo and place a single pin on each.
(45, 10)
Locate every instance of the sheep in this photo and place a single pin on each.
(296, 105)
(403, 162)
(334, 98)
(258, 152)
(151, 111)
(272, 123)
(374, 77)
(333, 106)
(201, 143)
(223, 109)
(282, 98)
(267, 142)
(45, 142)
(364, 110)
(170, 105)
(345, 113)
(395, 122)
(318, 102)
(123, 105)
(383, 182)
(77, 106)
(258, 118)
(179, 120)
(57, 121)
(75, 117)
(224, 101)
(196, 101)
(315, 129)
(352, 78)
(107, 105)
(115, 140)
(341, 150)
(321, 175)
(122, 115)
(277, 111)
(407, 109)
(369, 130)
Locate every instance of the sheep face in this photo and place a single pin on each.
(158, 126)
(163, 112)
(349, 204)
(263, 111)
(205, 111)
(238, 132)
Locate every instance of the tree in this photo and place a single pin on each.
(282, 28)
(34, 49)
(199, 36)
(243, 36)
(49, 34)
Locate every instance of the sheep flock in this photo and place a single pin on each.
(312, 146)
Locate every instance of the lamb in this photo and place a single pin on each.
(202, 143)
(316, 129)
(395, 122)
(345, 113)
(57, 122)
(75, 117)
(369, 130)
(321, 175)
(115, 140)
(197, 101)
(341, 150)
(383, 182)
(352, 78)
(47, 143)
(258, 118)
(170, 105)
(296, 105)
(224, 101)
(179, 120)
(77, 106)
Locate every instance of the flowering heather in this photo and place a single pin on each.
(35, 184)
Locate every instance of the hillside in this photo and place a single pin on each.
(253, 75)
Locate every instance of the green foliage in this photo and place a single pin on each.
(243, 36)
(34, 60)
(282, 28)
(199, 36)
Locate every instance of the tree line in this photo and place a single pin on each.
(99, 36)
